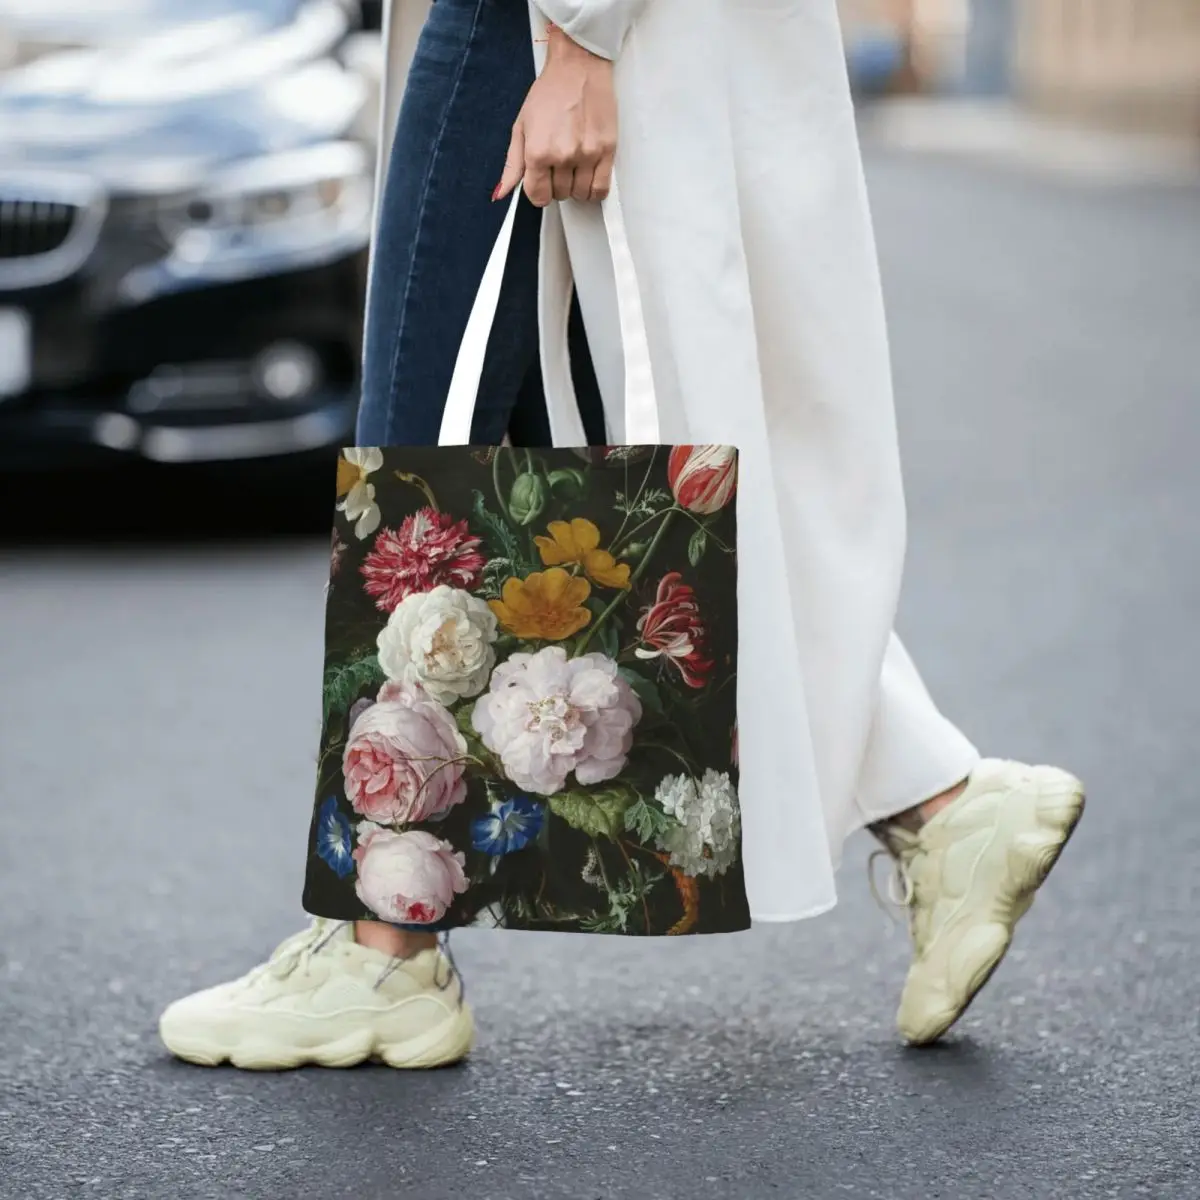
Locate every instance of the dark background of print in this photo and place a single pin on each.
(706, 720)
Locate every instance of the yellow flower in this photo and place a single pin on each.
(578, 542)
(547, 605)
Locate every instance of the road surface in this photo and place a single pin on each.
(158, 711)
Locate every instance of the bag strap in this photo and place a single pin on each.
(641, 403)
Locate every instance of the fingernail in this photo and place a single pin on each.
(496, 193)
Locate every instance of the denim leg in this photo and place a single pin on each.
(470, 74)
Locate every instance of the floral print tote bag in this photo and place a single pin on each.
(529, 703)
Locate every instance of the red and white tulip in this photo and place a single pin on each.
(703, 478)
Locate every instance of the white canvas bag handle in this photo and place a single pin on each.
(641, 403)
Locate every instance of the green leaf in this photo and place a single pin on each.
(608, 637)
(462, 718)
(610, 643)
(345, 684)
(647, 822)
(614, 922)
(625, 899)
(502, 539)
(599, 813)
(646, 691)
(697, 544)
(475, 746)
(495, 575)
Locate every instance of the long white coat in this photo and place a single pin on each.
(746, 209)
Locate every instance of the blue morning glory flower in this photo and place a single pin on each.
(510, 826)
(333, 839)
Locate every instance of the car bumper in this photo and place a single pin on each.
(180, 379)
(63, 435)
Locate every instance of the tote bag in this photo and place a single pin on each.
(529, 701)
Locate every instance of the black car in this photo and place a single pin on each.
(185, 206)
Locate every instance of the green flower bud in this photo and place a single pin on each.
(527, 500)
(567, 483)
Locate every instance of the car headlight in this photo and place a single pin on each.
(286, 202)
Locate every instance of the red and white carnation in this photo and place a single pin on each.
(429, 548)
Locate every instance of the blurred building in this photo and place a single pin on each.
(905, 46)
(1124, 64)
(1120, 64)
(988, 53)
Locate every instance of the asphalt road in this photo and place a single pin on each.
(158, 710)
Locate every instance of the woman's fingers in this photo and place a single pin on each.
(562, 178)
(582, 187)
(539, 183)
(566, 177)
(602, 177)
(514, 164)
(559, 151)
(564, 140)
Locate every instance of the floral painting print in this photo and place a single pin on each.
(530, 692)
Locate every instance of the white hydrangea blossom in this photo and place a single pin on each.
(706, 839)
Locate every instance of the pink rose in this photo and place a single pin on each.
(547, 715)
(407, 878)
(403, 759)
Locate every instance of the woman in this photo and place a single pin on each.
(743, 193)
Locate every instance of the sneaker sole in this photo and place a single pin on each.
(968, 956)
(447, 1043)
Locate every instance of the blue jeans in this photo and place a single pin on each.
(437, 225)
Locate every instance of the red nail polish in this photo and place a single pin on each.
(496, 193)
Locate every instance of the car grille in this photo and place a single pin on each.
(29, 228)
(49, 224)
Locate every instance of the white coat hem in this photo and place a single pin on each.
(919, 795)
(789, 918)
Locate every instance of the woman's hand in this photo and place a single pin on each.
(566, 134)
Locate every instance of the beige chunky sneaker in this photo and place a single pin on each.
(970, 874)
(323, 998)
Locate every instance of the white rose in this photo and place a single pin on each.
(441, 640)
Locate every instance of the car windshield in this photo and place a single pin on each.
(107, 20)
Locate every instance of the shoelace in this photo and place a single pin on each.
(299, 949)
(899, 885)
(899, 890)
(452, 972)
